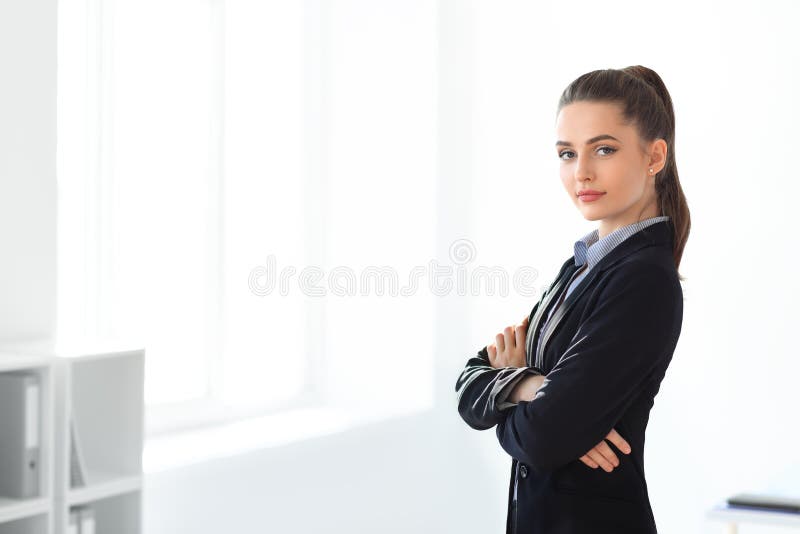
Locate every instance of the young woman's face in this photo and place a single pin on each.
(618, 167)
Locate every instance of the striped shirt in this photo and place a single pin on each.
(589, 250)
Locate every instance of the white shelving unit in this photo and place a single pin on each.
(102, 388)
(33, 515)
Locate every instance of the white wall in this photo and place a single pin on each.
(425, 473)
(725, 418)
(27, 168)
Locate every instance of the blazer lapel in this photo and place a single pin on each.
(659, 233)
(564, 274)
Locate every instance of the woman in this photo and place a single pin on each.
(570, 389)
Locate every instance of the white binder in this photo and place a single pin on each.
(73, 526)
(87, 520)
(19, 434)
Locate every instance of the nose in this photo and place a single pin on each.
(583, 170)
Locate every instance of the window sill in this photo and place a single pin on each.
(183, 448)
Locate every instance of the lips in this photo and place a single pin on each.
(589, 196)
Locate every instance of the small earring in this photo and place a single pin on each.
(651, 171)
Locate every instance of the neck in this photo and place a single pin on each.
(610, 224)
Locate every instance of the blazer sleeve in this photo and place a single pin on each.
(628, 335)
(482, 390)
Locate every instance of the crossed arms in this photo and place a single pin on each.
(621, 344)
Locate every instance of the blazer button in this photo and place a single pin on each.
(523, 470)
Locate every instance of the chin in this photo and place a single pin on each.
(591, 215)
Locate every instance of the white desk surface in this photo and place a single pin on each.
(729, 514)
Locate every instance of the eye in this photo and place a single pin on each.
(609, 150)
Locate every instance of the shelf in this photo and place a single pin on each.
(11, 509)
(38, 524)
(119, 514)
(103, 485)
(24, 514)
(98, 388)
(45, 349)
(12, 361)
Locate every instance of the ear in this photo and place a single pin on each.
(658, 156)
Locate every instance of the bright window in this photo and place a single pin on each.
(200, 140)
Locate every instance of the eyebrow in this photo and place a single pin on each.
(590, 141)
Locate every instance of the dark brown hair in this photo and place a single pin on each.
(645, 103)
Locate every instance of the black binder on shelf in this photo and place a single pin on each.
(762, 501)
(19, 434)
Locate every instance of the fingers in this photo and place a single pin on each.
(607, 454)
(618, 441)
(603, 456)
(509, 337)
(520, 332)
(506, 339)
(500, 341)
(600, 459)
(492, 350)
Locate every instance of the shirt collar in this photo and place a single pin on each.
(590, 249)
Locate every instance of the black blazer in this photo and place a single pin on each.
(604, 353)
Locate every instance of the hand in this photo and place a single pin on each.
(508, 350)
(602, 455)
